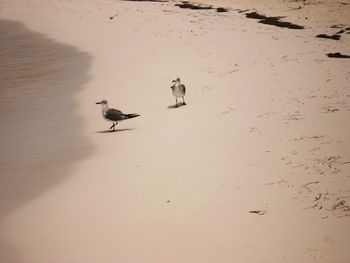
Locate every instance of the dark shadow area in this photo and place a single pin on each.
(271, 20)
(337, 55)
(116, 130)
(180, 104)
(40, 133)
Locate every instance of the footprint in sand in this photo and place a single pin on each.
(228, 110)
(294, 116)
(207, 69)
(254, 129)
(206, 89)
(266, 114)
(314, 253)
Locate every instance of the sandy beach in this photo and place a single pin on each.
(255, 168)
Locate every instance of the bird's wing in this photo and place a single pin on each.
(114, 115)
(183, 88)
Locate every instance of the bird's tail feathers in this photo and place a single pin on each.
(132, 115)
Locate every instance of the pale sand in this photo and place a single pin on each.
(266, 129)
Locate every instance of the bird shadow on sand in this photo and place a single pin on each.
(113, 131)
(178, 105)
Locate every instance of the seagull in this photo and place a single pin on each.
(179, 90)
(114, 115)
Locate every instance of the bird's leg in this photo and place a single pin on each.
(183, 100)
(176, 103)
(113, 126)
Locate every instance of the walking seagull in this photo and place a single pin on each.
(114, 115)
(179, 90)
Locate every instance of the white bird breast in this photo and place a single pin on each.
(177, 91)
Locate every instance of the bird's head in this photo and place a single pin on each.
(103, 102)
(176, 80)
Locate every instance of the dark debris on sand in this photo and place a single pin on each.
(112, 17)
(334, 37)
(255, 15)
(195, 6)
(337, 55)
(242, 11)
(336, 26)
(221, 10)
(161, 1)
(337, 35)
(273, 20)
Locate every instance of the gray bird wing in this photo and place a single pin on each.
(114, 115)
(183, 88)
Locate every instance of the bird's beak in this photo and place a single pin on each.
(98, 103)
(174, 80)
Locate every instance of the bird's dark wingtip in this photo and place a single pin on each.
(132, 115)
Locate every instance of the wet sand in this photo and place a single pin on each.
(40, 131)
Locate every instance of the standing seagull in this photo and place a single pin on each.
(114, 115)
(179, 90)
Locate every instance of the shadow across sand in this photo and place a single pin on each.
(116, 130)
(181, 104)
